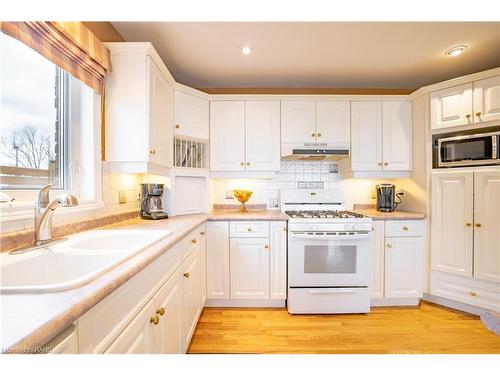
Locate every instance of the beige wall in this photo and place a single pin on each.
(105, 31)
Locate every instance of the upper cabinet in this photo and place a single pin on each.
(309, 121)
(381, 136)
(467, 104)
(139, 110)
(191, 116)
(244, 136)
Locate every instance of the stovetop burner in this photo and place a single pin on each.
(324, 214)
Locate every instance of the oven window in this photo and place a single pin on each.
(467, 149)
(330, 258)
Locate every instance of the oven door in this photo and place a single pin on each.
(316, 260)
(477, 149)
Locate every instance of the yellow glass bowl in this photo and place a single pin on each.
(243, 196)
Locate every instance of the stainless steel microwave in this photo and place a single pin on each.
(466, 150)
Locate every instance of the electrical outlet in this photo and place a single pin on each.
(229, 194)
(122, 197)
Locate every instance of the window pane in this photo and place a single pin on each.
(31, 146)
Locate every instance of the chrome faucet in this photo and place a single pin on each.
(44, 210)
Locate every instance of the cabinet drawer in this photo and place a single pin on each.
(65, 342)
(249, 228)
(466, 290)
(192, 240)
(404, 228)
(101, 325)
(328, 300)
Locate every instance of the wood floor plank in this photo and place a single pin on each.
(425, 329)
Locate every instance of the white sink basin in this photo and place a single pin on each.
(72, 263)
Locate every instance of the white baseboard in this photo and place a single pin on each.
(453, 304)
(245, 302)
(394, 302)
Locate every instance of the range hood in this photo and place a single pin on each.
(314, 151)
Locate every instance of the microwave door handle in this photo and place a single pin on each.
(495, 152)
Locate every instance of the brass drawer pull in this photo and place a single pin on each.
(379, 164)
(160, 311)
(386, 163)
(193, 240)
(242, 164)
(405, 228)
(202, 233)
(249, 229)
(467, 116)
(478, 225)
(389, 245)
(177, 126)
(152, 152)
(186, 275)
(478, 114)
(468, 224)
(319, 134)
(473, 294)
(266, 246)
(313, 135)
(155, 320)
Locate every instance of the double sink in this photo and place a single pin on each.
(72, 263)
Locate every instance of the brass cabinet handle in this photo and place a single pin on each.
(186, 275)
(242, 164)
(202, 233)
(478, 114)
(386, 163)
(193, 240)
(160, 311)
(249, 229)
(155, 320)
(248, 163)
(405, 228)
(177, 126)
(152, 152)
(389, 245)
(319, 134)
(284, 229)
(266, 247)
(467, 115)
(478, 225)
(313, 135)
(473, 294)
(468, 224)
(379, 164)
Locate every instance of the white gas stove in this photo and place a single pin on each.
(329, 253)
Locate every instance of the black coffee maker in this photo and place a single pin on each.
(152, 205)
(387, 199)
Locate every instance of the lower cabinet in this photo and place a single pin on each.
(397, 272)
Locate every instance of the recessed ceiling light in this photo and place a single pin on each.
(456, 51)
(246, 49)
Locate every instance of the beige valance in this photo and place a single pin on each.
(69, 45)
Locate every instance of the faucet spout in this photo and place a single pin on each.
(44, 210)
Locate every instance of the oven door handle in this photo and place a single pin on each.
(326, 237)
(334, 291)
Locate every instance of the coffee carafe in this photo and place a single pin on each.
(387, 199)
(153, 205)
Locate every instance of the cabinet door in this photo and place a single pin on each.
(377, 283)
(161, 104)
(451, 107)
(487, 225)
(403, 267)
(366, 128)
(227, 135)
(333, 122)
(191, 116)
(487, 100)
(218, 260)
(249, 268)
(397, 136)
(191, 290)
(452, 218)
(168, 301)
(262, 134)
(277, 252)
(298, 121)
(138, 337)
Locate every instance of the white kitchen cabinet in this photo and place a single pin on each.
(262, 135)
(452, 222)
(487, 100)
(333, 122)
(403, 267)
(298, 121)
(203, 257)
(377, 281)
(217, 242)
(227, 135)
(191, 290)
(249, 259)
(366, 136)
(138, 337)
(277, 251)
(452, 107)
(191, 116)
(487, 225)
(397, 136)
(65, 342)
(169, 308)
(139, 111)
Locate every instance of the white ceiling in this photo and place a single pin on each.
(314, 54)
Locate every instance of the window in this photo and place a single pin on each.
(47, 125)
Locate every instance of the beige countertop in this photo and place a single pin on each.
(28, 321)
(396, 215)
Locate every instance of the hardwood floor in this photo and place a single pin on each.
(425, 329)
